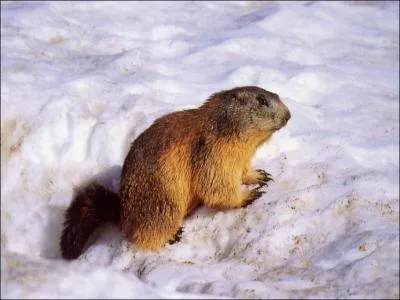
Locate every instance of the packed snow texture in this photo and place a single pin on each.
(80, 80)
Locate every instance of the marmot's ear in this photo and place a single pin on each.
(237, 97)
(234, 97)
(229, 97)
(240, 98)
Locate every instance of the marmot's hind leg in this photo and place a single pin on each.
(161, 227)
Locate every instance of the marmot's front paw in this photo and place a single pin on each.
(263, 177)
(256, 177)
(254, 194)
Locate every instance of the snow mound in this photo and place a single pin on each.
(81, 80)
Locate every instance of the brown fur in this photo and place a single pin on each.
(92, 206)
(193, 157)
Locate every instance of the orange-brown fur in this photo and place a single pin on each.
(192, 165)
(195, 157)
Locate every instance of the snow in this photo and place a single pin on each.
(81, 80)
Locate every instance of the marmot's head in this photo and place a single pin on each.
(247, 108)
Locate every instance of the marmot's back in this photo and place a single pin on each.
(155, 183)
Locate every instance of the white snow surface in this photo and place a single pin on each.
(80, 80)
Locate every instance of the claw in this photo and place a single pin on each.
(262, 184)
(266, 177)
(177, 237)
(254, 195)
(262, 172)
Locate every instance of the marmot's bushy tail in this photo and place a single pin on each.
(91, 207)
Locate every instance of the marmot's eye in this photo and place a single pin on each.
(262, 100)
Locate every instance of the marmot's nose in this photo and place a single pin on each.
(287, 117)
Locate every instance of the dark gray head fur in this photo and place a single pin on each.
(248, 108)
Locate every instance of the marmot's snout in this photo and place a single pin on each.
(283, 114)
(287, 117)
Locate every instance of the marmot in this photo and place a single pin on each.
(183, 160)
